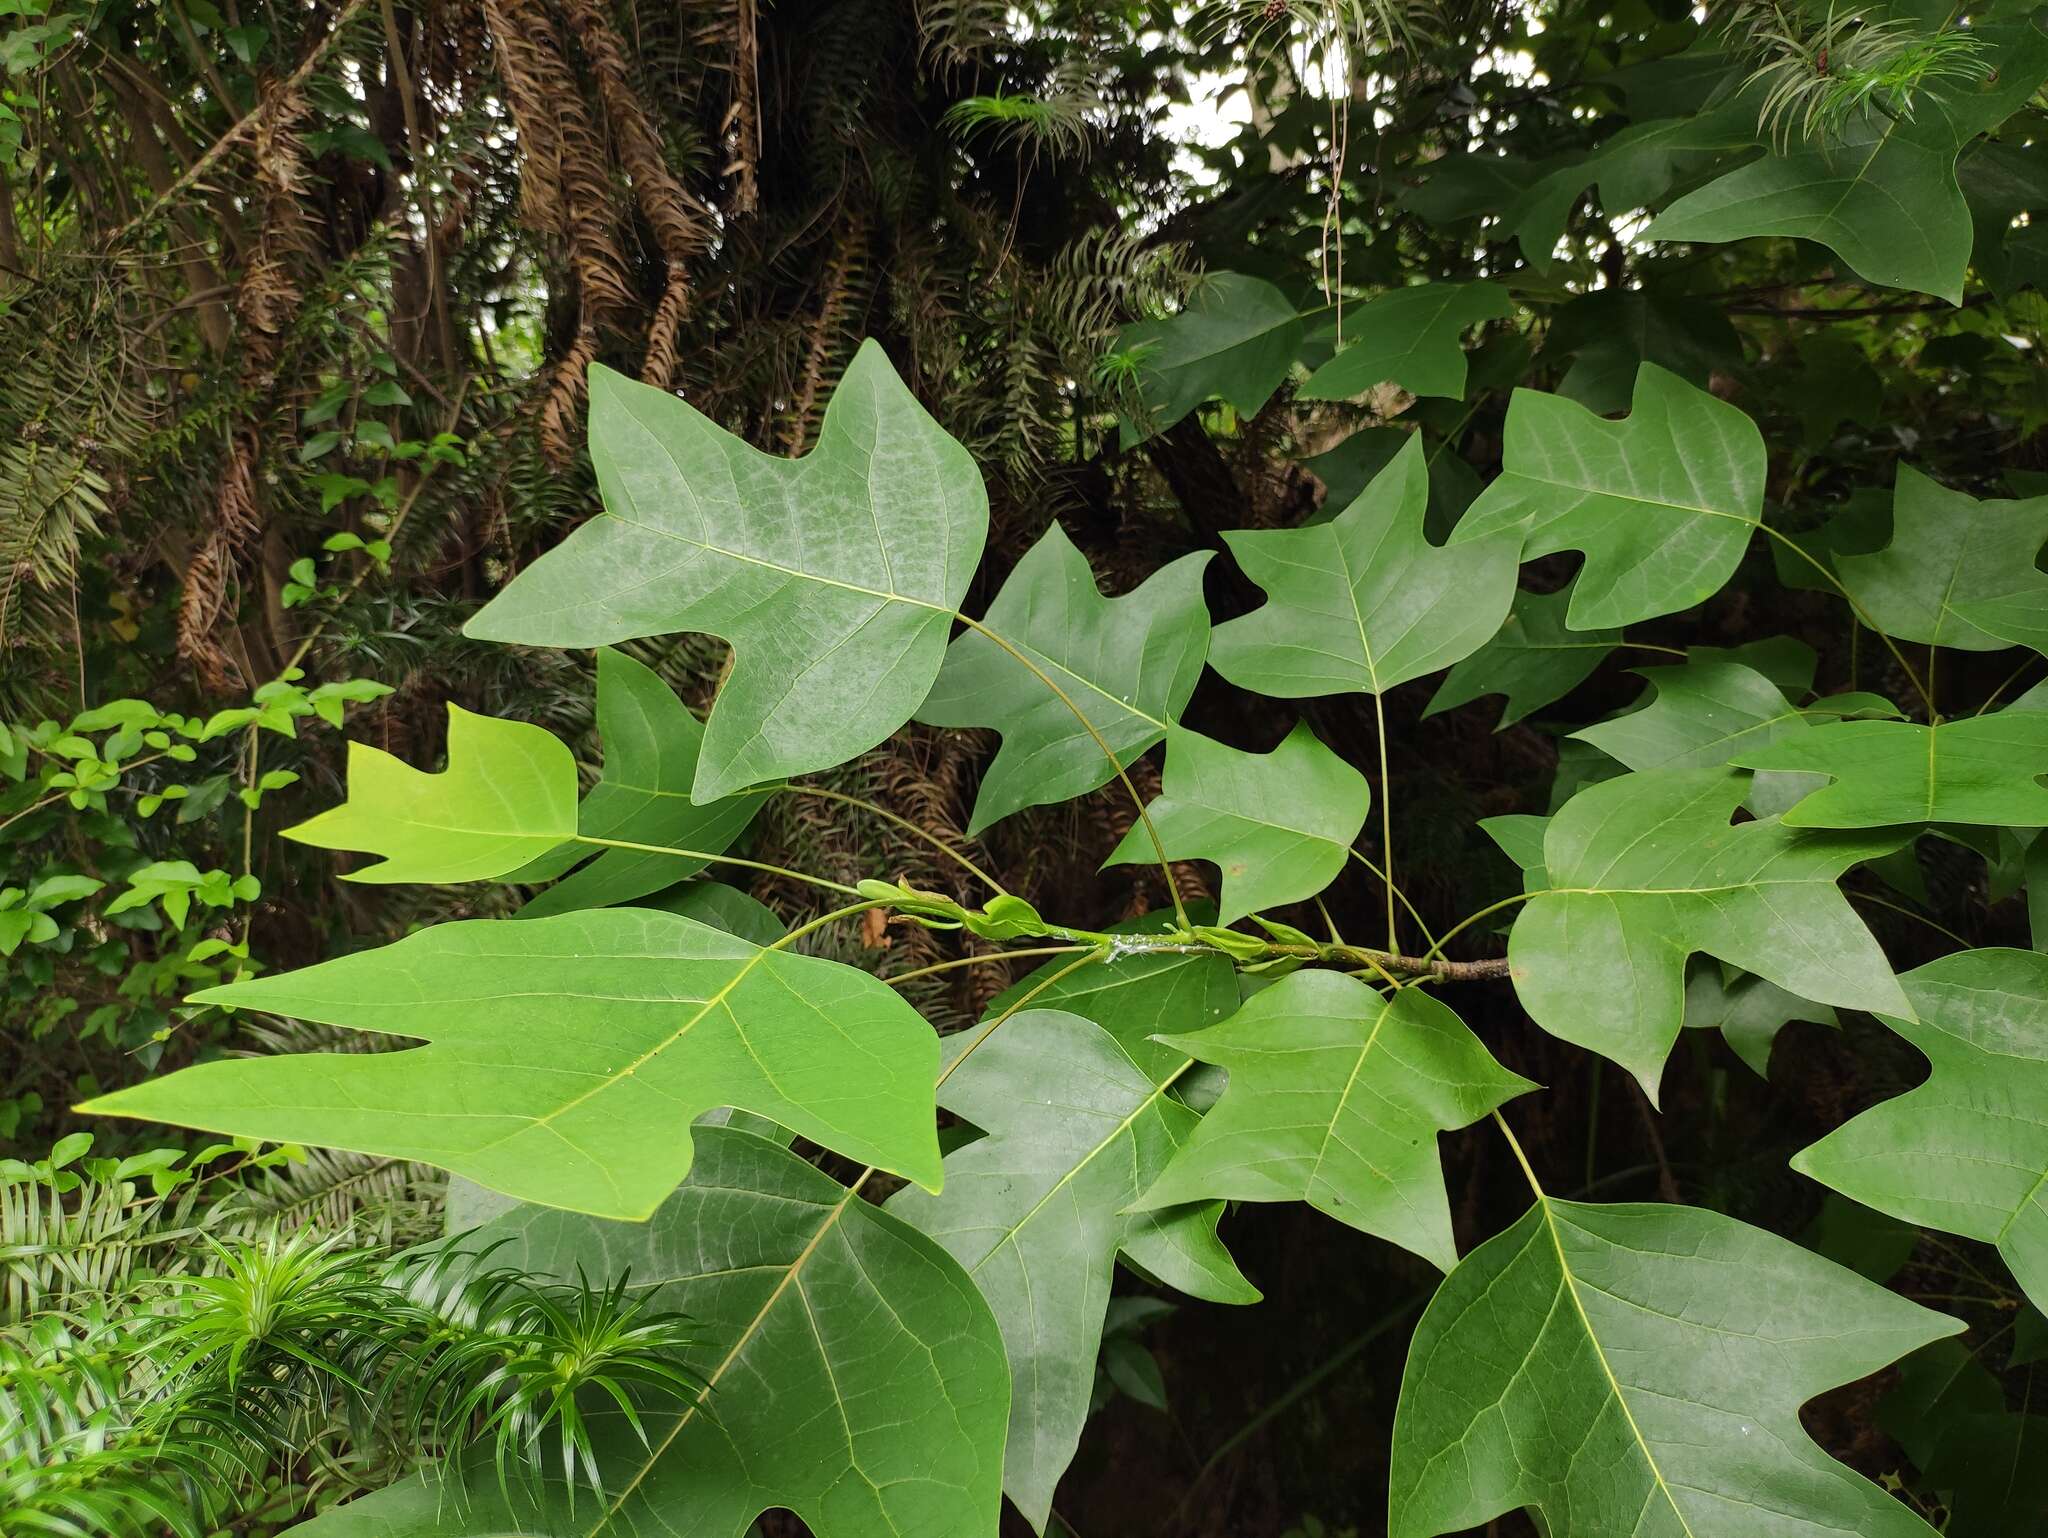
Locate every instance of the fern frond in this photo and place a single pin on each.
(62, 1240)
(385, 1202)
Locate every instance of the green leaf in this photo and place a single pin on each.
(1351, 466)
(1967, 1151)
(1128, 664)
(1786, 661)
(1835, 384)
(1645, 871)
(508, 796)
(1872, 1245)
(1948, 1412)
(1411, 336)
(1134, 1371)
(651, 746)
(857, 1377)
(722, 907)
(53, 890)
(1953, 563)
(1747, 1011)
(1981, 771)
(1363, 602)
(1134, 995)
(1699, 715)
(1278, 825)
(1639, 1370)
(1335, 1098)
(1610, 334)
(1034, 1211)
(1882, 193)
(1633, 169)
(1236, 340)
(1534, 660)
(1662, 503)
(834, 576)
(567, 1055)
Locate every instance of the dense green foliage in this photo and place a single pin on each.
(934, 880)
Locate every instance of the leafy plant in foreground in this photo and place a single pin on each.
(895, 1361)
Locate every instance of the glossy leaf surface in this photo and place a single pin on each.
(651, 745)
(1882, 195)
(1235, 340)
(1967, 1151)
(1980, 770)
(1135, 996)
(1948, 555)
(1534, 660)
(1647, 870)
(1035, 1213)
(1411, 336)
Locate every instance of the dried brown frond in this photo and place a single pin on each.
(743, 118)
(679, 222)
(563, 398)
(266, 301)
(566, 191)
(658, 366)
(830, 339)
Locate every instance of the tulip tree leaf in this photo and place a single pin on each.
(1700, 715)
(1646, 870)
(1953, 564)
(1335, 1098)
(1746, 1010)
(1534, 660)
(651, 743)
(1128, 664)
(1663, 503)
(1981, 770)
(1363, 602)
(1638, 1369)
(1278, 825)
(1882, 193)
(1236, 340)
(722, 907)
(1410, 336)
(835, 576)
(507, 797)
(566, 1056)
(1967, 1151)
(857, 1375)
(1035, 1212)
(1707, 712)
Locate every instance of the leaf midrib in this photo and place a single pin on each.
(1630, 496)
(753, 1327)
(779, 568)
(1073, 1173)
(1571, 1283)
(612, 1081)
(1344, 1099)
